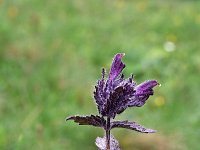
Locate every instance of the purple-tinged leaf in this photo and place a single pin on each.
(131, 125)
(117, 66)
(96, 121)
(101, 143)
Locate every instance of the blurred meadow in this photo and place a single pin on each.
(52, 52)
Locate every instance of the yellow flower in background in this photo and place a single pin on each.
(197, 19)
(1, 2)
(119, 3)
(171, 37)
(12, 11)
(159, 101)
(141, 6)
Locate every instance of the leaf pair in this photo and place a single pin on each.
(98, 121)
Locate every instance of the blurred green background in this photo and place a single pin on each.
(52, 52)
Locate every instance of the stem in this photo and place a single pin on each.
(108, 134)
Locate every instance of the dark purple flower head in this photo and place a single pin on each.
(115, 94)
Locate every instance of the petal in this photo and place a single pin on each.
(131, 125)
(89, 120)
(145, 88)
(117, 66)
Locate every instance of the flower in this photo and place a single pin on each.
(112, 96)
(116, 94)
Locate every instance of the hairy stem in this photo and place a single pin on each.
(108, 134)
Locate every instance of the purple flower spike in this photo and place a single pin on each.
(113, 96)
(117, 66)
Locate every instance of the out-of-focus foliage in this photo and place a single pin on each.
(51, 54)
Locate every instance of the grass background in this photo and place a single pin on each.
(51, 54)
